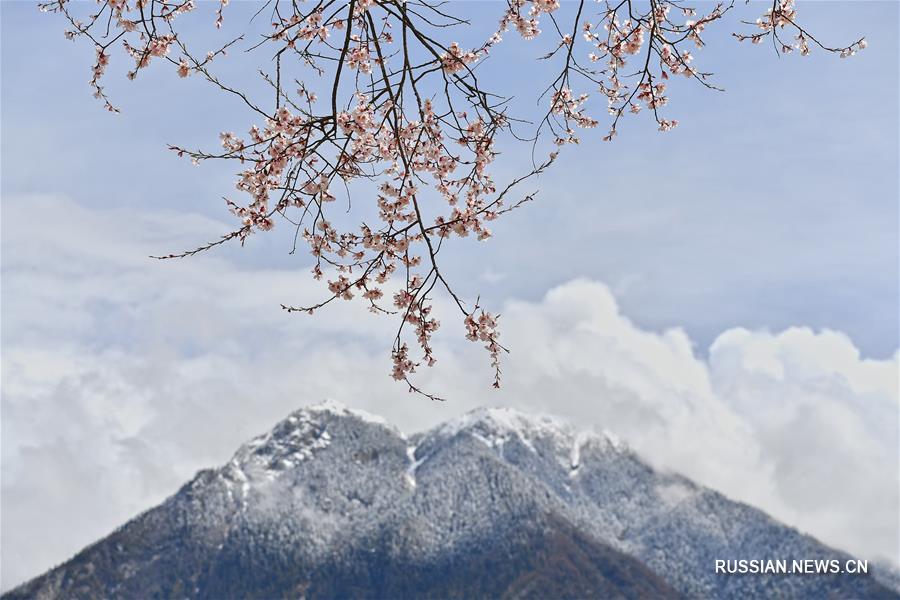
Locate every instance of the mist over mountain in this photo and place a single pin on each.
(336, 503)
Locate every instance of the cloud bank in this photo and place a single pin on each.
(122, 376)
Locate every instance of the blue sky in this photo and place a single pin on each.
(732, 287)
(772, 204)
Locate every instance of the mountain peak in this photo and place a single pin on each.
(496, 425)
(336, 408)
(294, 440)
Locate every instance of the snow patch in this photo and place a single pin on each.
(293, 441)
(413, 465)
(337, 408)
(578, 440)
(497, 426)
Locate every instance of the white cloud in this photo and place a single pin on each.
(122, 376)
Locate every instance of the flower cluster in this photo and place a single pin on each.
(455, 58)
(483, 328)
(783, 15)
(568, 105)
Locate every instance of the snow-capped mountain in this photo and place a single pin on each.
(334, 502)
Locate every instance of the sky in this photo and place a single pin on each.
(723, 296)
